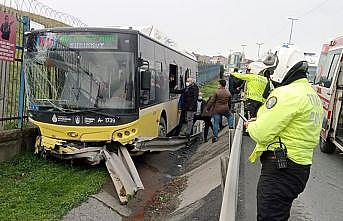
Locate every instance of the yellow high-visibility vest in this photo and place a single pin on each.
(255, 85)
(294, 113)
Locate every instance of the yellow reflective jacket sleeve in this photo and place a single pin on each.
(255, 85)
(271, 122)
(244, 77)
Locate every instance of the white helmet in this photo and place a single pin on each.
(256, 67)
(283, 61)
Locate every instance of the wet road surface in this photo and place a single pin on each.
(322, 199)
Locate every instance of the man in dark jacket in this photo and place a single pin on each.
(235, 84)
(189, 99)
(234, 87)
(219, 102)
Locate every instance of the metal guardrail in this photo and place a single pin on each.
(230, 195)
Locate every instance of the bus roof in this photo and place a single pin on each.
(128, 30)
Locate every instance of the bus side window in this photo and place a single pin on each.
(182, 85)
(152, 98)
(173, 73)
(147, 86)
(187, 74)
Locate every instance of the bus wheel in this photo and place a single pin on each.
(326, 146)
(162, 128)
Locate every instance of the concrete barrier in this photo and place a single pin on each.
(16, 141)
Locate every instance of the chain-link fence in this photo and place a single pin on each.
(12, 100)
(12, 85)
(207, 72)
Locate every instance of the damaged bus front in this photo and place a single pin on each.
(81, 91)
(96, 94)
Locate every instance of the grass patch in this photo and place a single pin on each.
(209, 88)
(36, 189)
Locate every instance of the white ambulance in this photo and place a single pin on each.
(329, 86)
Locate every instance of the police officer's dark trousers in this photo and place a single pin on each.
(277, 188)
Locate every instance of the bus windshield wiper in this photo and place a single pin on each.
(94, 111)
(73, 111)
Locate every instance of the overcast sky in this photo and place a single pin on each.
(215, 26)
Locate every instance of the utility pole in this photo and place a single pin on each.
(290, 35)
(258, 51)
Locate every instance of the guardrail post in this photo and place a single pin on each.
(231, 137)
(224, 163)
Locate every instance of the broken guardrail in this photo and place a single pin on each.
(230, 193)
(122, 169)
(123, 173)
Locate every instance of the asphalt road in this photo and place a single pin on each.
(322, 199)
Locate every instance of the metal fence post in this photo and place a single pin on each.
(26, 27)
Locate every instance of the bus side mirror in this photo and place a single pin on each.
(146, 80)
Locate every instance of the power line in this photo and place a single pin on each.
(314, 8)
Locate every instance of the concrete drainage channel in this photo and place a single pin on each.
(180, 185)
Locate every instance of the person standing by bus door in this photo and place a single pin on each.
(181, 114)
(286, 131)
(189, 98)
(220, 101)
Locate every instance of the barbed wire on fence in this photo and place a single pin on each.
(40, 9)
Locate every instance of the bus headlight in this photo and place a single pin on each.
(72, 134)
(125, 135)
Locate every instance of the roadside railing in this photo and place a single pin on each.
(231, 170)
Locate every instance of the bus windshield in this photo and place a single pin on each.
(78, 72)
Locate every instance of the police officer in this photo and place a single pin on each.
(286, 131)
(255, 86)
